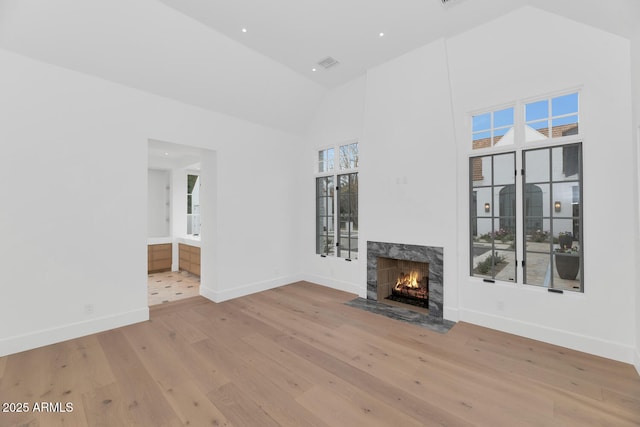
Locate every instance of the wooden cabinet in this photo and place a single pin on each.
(189, 258)
(159, 258)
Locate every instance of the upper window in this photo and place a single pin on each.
(349, 156)
(551, 118)
(325, 160)
(337, 202)
(548, 118)
(493, 128)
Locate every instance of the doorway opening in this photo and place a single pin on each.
(176, 213)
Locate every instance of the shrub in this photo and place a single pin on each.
(484, 267)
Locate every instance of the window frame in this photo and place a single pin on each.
(519, 148)
(334, 205)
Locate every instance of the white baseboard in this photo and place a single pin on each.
(591, 345)
(252, 288)
(54, 335)
(336, 284)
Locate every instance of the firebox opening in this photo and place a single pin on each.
(403, 281)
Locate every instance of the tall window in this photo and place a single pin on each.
(337, 202)
(193, 205)
(493, 217)
(526, 203)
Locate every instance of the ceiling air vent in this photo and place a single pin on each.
(449, 2)
(328, 62)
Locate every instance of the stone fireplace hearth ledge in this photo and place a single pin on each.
(402, 314)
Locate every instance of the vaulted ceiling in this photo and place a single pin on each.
(195, 51)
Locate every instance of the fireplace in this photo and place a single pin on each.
(411, 272)
(403, 281)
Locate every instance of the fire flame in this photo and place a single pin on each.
(407, 280)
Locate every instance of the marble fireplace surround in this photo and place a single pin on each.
(431, 254)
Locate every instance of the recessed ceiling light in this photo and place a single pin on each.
(244, 30)
(313, 69)
(381, 34)
(166, 154)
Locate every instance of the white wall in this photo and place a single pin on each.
(339, 119)
(146, 45)
(635, 75)
(531, 53)
(73, 180)
(414, 177)
(158, 203)
(409, 169)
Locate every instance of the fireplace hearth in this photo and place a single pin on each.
(411, 274)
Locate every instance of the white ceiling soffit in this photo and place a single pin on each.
(146, 45)
(300, 33)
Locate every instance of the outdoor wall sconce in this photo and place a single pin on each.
(557, 206)
(487, 207)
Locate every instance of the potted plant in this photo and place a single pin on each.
(567, 259)
(565, 239)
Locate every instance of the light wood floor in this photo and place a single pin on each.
(297, 356)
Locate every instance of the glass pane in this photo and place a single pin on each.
(484, 202)
(566, 274)
(540, 126)
(536, 110)
(322, 163)
(503, 118)
(191, 183)
(355, 159)
(481, 140)
(505, 265)
(189, 204)
(536, 131)
(566, 104)
(565, 126)
(537, 270)
(348, 156)
(343, 183)
(536, 201)
(536, 165)
(504, 169)
(504, 200)
(537, 234)
(325, 160)
(482, 122)
(481, 170)
(505, 236)
(566, 162)
(563, 234)
(563, 203)
(567, 255)
(503, 137)
(482, 261)
(195, 225)
(485, 233)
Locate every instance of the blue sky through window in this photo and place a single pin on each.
(566, 104)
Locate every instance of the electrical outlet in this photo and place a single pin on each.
(500, 305)
(88, 309)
